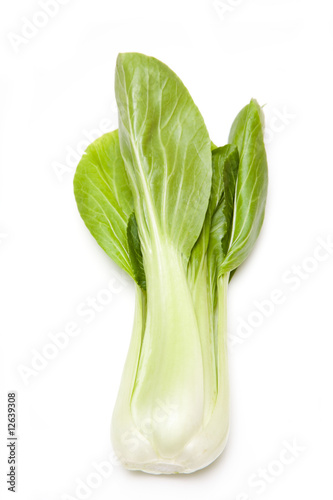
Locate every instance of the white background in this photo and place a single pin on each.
(56, 88)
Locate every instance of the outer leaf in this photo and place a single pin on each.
(251, 191)
(135, 253)
(166, 149)
(104, 198)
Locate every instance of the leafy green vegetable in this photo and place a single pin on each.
(179, 215)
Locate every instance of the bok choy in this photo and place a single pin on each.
(179, 215)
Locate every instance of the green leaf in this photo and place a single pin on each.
(104, 198)
(251, 190)
(220, 156)
(229, 158)
(135, 253)
(166, 150)
(226, 162)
